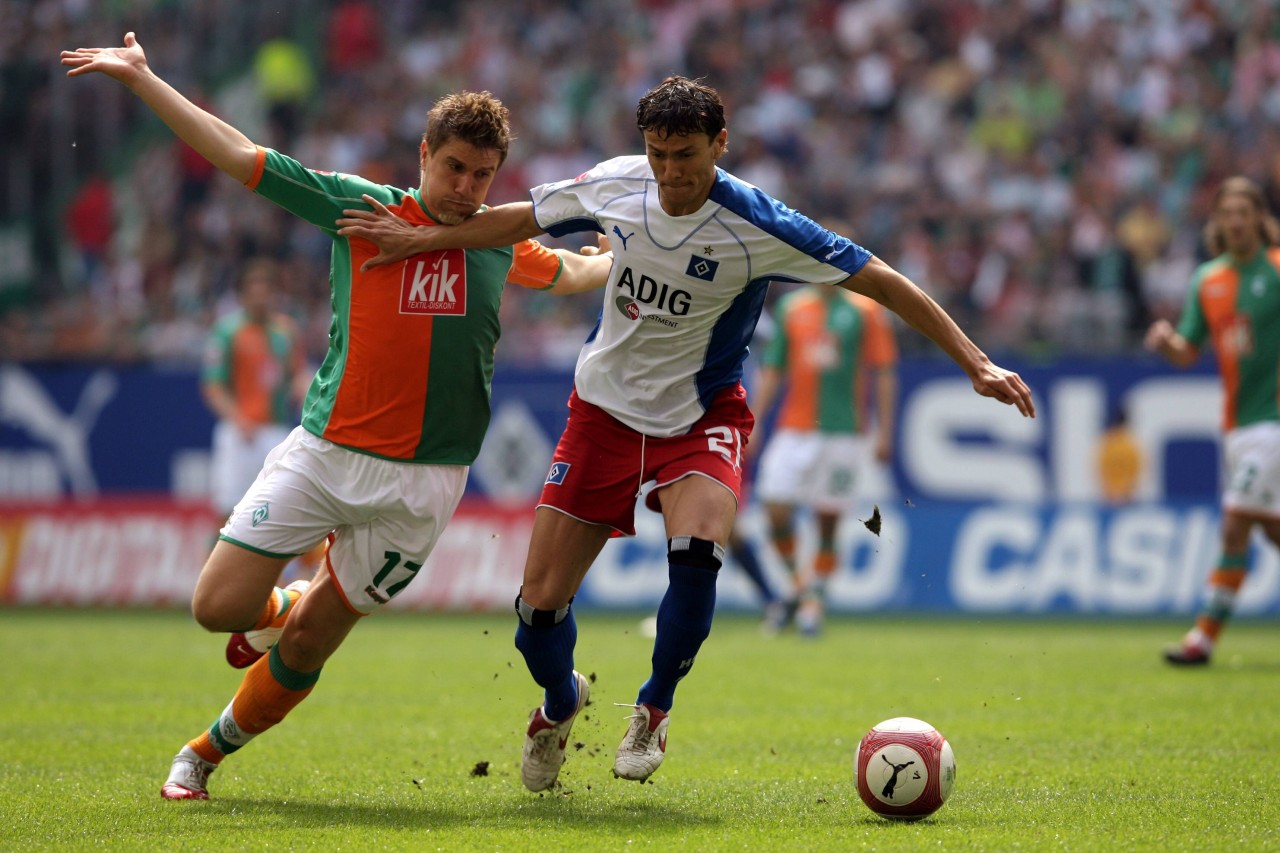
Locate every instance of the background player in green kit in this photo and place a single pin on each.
(253, 379)
(1234, 302)
(396, 413)
(830, 350)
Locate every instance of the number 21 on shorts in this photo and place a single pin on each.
(726, 441)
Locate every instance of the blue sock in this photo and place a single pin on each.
(745, 554)
(684, 621)
(548, 653)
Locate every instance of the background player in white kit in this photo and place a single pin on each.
(657, 393)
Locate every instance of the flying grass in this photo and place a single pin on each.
(1068, 735)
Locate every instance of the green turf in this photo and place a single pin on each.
(1068, 735)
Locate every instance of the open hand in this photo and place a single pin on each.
(1005, 386)
(1158, 336)
(395, 238)
(120, 63)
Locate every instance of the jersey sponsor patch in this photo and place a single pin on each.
(628, 306)
(1236, 337)
(557, 473)
(435, 283)
(703, 268)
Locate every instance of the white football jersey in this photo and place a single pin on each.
(685, 291)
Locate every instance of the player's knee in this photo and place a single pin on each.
(536, 617)
(781, 525)
(215, 611)
(692, 551)
(305, 648)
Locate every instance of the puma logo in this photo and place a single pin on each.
(25, 404)
(618, 231)
(887, 792)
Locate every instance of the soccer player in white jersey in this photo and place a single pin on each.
(657, 395)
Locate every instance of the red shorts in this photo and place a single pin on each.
(600, 462)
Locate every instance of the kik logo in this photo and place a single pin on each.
(435, 283)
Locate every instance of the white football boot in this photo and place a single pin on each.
(188, 777)
(644, 746)
(546, 740)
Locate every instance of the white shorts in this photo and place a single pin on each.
(236, 460)
(382, 517)
(813, 469)
(1253, 469)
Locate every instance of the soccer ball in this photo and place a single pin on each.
(904, 769)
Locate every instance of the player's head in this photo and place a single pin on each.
(257, 286)
(1240, 223)
(468, 135)
(682, 122)
(681, 107)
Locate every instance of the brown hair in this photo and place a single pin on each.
(255, 267)
(1268, 225)
(477, 118)
(679, 106)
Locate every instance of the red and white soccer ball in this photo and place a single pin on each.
(904, 769)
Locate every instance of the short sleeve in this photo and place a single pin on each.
(1193, 325)
(533, 265)
(568, 207)
(214, 369)
(315, 195)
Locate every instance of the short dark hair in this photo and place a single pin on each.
(477, 118)
(679, 106)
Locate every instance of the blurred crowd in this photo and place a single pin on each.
(1042, 167)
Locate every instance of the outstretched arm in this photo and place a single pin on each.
(220, 143)
(397, 239)
(899, 294)
(585, 270)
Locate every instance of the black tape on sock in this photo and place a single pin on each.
(692, 551)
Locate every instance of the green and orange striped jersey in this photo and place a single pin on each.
(257, 364)
(409, 367)
(1237, 307)
(825, 336)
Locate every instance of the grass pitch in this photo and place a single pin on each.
(1068, 735)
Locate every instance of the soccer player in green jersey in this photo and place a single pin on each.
(391, 423)
(829, 346)
(251, 381)
(1234, 304)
